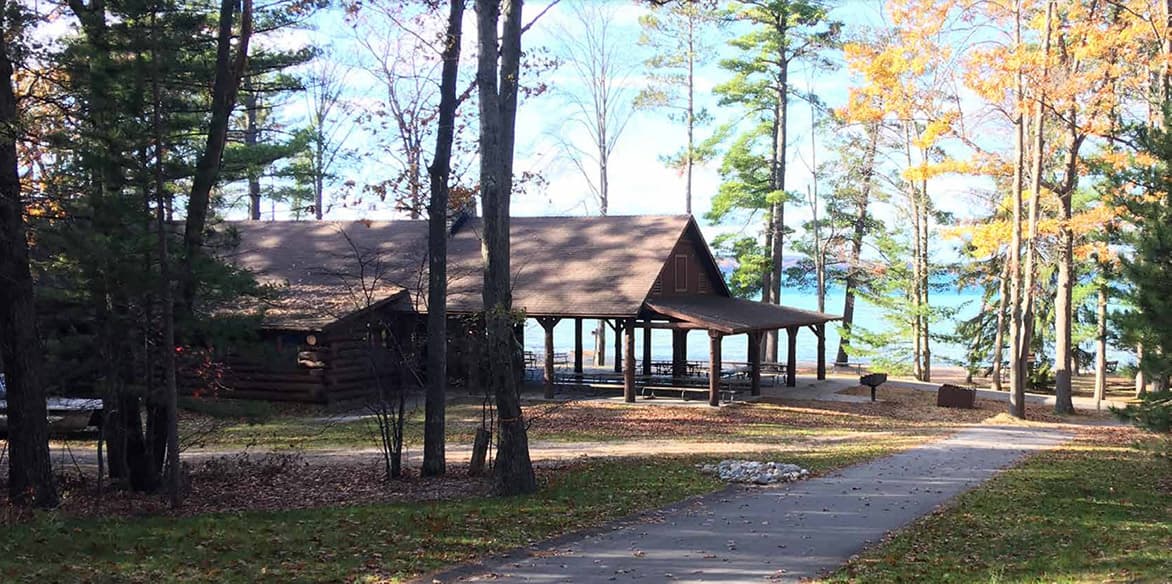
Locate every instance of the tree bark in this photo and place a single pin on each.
(251, 136)
(776, 241)
(229, 71)
(498, 106)
(859, 230)
(30, 473)
(437, 246)
(1101, 346)
(1141, 382)
(999, 334)
(924, 302)
(1016, 383)
(1027, 324)
(600, 344)
(914, 294)
(166, 293)
(689, 156)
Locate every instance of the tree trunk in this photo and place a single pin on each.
(251, 136)
(30, 473)
(437, 245)
(1016, 383)
(914, 295)
(770, 346)
(859, 230)
(689, 156)
(1141, 382)
(229, 71)
(777, 179)
(1063, 313)
(514, 469)
(924, 302)
(166, 293)
(1101, 346)
(999, 334)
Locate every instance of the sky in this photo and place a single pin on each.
(640, 182)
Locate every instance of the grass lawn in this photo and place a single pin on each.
(1097, 510)
(360, 543)
(218, 426)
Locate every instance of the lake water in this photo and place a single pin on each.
(733, 348)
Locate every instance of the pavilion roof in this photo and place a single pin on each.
(734, 315)
(561, 266)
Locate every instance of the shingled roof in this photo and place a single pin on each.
(563, 266)
(735, 315)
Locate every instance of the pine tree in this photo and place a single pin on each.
(676, 32)
(783, 32)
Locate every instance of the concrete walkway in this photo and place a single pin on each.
(781, 533)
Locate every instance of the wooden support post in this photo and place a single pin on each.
(755, 363)
(578, 349)
(646, 349)
(714, 368)
(820, 330)
(618, 346)
(548, 323)
(791, 368)
(679, 354)
(629, 360)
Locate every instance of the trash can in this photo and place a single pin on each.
(954, 396)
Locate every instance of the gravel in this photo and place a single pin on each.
(755, 472)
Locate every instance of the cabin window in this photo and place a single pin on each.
(681, 270)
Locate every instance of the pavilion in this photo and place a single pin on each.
(650, 272)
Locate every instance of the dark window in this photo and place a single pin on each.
(681, 273)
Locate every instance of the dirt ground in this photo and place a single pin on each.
(563, 434)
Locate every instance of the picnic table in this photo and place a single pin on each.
(65, 414)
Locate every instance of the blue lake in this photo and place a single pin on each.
(967, 302)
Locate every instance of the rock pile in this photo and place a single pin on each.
(754, 472)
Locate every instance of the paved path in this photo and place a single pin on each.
(777, 533)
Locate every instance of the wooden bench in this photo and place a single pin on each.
(873, 381)
(728, 394)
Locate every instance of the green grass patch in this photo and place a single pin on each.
(1094, 511)
(361, 543)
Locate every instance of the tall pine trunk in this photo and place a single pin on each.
(437, 246)
(1101, 345)
(776, 226)
(166, 293)
(1064, 301)
(251, 137)
(498, 108)
(689, 156)
(30, 474)
(999, 334)
(858, 231)
(923, 308)
(914, 295)
(1029, 272)
(229, 70)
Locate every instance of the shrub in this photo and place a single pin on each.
(1153, 412)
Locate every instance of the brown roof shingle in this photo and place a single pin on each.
(735, 315)
(566, 266)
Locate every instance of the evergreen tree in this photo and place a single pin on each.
(784, 32)
(1150, 268)
(676, 33)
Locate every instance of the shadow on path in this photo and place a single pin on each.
(781, 533)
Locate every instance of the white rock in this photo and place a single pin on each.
(755, 472)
